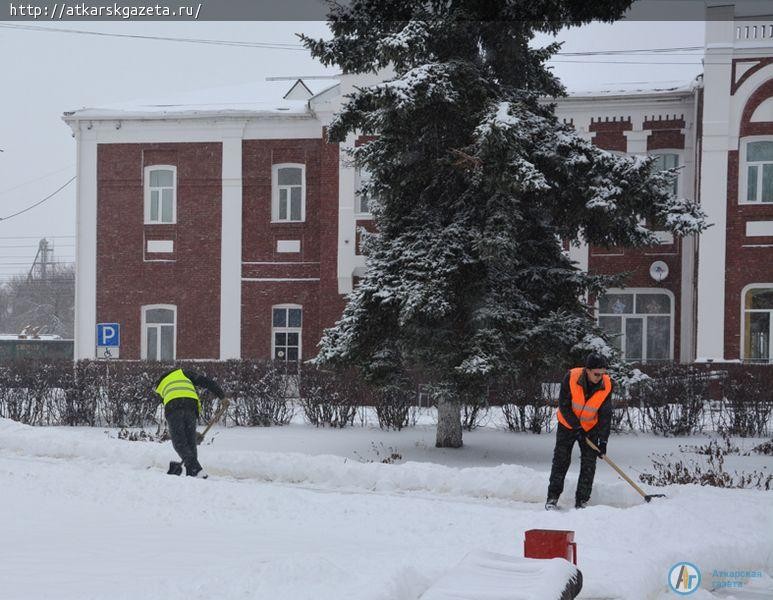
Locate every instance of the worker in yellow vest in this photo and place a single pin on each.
(182, 406)
(584, 411)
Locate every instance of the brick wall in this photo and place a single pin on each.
(666, 134)
(318, 235)
(191, 281)
(745, 264)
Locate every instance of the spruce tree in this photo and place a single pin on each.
(474, 185)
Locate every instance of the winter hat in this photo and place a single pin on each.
(595, 361)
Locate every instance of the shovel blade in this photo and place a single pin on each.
(649, 497)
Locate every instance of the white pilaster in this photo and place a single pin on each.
(346, 222)
(231, 248)
(713, 187)
(637, 140)
(86, 244)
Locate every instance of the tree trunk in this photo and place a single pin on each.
(449, 422)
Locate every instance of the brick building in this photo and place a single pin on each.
(226, 226)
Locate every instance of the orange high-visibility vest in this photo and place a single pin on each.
(587, 411)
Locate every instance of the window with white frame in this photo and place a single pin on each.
(160, 194)
(288, 193)
(757, 171)
(665, 161)
(159, 332)
(639, 323)
(361, 199)
(757, 324)
(286, 332)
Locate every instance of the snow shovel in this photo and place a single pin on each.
(222, 407)
(646, 497)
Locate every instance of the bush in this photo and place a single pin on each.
(672, 400)
(527, 404)
(713, 473)
(394, 406)
(747, 405)
(263, 394)
(329, 397)
(35, 392)
(474, 413)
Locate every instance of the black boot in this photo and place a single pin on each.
(175, 468)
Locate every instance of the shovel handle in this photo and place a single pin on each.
(619, 471)
(223, 406)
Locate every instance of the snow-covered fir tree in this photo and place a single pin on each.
(474, 185)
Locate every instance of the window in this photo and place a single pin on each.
(757, 171)
(159, 339)
(757, 324)
(361, 199)
(666, 161)
(160, 194)
(286, 332)
(639, 323)
(288, 193)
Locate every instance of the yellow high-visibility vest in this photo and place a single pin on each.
(587, 410)
(177, 385)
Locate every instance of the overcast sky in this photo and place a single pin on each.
(52, 72)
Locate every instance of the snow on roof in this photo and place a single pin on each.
(290, 96)
(637, 88)
(250, 99)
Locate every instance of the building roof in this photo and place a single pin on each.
(637, 88)
(273, 96)
(291, 96)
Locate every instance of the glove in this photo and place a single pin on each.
(602, 448)
(580, 436)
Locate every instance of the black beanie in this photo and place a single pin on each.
(595, 361)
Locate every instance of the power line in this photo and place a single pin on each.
(289, 46)
(36, 179)
(265, 45)
(33, 237)
(34, 246)
(621, 62)
(16, 214)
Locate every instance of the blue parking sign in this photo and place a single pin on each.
(108, 334)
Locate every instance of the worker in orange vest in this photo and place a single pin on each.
(584, 411)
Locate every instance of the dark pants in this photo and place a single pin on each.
(562, 456)
(182, 429)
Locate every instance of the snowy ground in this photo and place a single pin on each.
(295, 513)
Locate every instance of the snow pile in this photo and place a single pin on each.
(503, 482)
(504, 578)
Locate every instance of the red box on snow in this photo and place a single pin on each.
(550, 543)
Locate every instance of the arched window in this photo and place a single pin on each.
(159, 332)
(160, 194)
(288, 195)
(757, 323)
(639, 322)
(756, 170)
